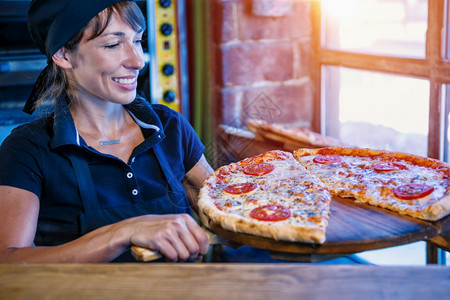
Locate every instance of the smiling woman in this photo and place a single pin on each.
(94, 35)
(92, 178)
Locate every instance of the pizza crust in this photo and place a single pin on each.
(437, 210)
(280, 230)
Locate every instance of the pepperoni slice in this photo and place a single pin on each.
(326, 159)
(259, 169)
(389, 167)
(413, 191)
(240, 188)
(272, 212)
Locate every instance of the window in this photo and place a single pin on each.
(377, 110)
(382, 77)
(395, 28)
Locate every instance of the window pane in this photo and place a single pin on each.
(405, 255)
(376, 110)
(380, 27)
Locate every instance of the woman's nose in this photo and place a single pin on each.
(135, 57)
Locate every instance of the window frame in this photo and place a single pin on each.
(434, 68)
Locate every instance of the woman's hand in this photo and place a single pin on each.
(176, 237)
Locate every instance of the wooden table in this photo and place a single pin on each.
(352, 228)
(222, 281)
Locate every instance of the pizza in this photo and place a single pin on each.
(270, 195)
(290, 136)
(401, 182)
(286, 196)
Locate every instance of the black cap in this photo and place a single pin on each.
(53, 23)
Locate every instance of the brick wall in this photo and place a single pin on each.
(260, 64)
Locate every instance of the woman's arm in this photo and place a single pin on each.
(177, 237)
(194, 179)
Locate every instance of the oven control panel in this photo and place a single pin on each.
(167, 53)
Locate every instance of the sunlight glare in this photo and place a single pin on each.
(342, 9)
(376, 27)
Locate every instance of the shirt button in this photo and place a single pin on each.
(135, 192)
(129, 175)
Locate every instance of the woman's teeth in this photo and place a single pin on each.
(124, 80)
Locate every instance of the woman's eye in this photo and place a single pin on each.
(139, 41)
(112, 46)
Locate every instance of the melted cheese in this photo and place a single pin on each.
(290, 185)
(356, 177)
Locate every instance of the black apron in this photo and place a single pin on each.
(93, 217)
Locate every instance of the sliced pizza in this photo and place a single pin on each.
(269, 195)
(404, 183)
(287, 196)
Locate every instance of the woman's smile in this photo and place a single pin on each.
(126, 83)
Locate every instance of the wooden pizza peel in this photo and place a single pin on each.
(443, 239)
(352, 228)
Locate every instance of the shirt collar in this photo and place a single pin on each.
(64, 129)
(144, 115)
(65, 132)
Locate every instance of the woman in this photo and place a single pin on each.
(105, 170)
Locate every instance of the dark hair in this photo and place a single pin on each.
(57, 82)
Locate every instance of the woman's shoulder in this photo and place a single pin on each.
(168, 116)
(41, 124)
(146, 111)
(165, 111)
(34, 132)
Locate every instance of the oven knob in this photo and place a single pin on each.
(168, 69)
(166, 29)
(165, 3)
(169, 96)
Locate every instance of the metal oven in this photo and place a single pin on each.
(162, 80)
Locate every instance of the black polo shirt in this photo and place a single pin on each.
(34, 158)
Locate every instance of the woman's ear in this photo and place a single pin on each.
(61, 59)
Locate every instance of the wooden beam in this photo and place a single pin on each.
(315, 69)
(437, 76)
(386, 64)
